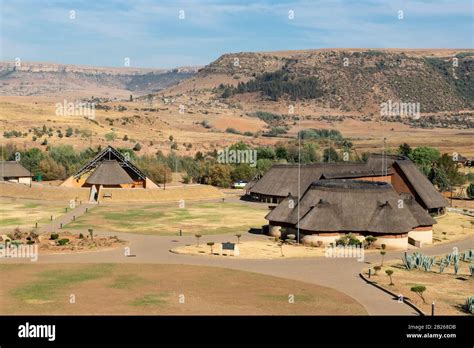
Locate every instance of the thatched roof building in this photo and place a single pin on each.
(350, 206)
(283, 179)
(13, 171)
(109, 173)
(110, 168)
(418, 185)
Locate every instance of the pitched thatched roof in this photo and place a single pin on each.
(109, 173)
(429, 196)
(9, 169)
(350, 205)
(283, 178)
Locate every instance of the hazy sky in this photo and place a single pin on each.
(151, 34)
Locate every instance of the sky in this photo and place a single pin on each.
(166, 34)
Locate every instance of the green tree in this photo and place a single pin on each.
(405, 150)
(243, 171)
(330, 155)
(424, 157)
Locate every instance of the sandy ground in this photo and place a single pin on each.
(253, 249)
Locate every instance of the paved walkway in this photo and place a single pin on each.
(341, 274)
(66, 218)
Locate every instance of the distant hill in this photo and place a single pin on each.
(35, 79)
(346, 79)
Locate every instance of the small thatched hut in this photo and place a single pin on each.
(13, 171)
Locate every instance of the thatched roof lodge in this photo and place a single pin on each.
(109, 169)
(282, 179)
(329, 209)
(13, 171)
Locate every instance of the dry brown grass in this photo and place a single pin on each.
(155, 289)
(447, 290)
(452, 227)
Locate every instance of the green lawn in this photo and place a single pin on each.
(168, 219)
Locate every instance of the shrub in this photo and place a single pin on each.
(81, 236)
(63, 241)
(348, 239)
(54, 236)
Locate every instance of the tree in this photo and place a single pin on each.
(131, 97)
(211, 244)
(383, 252)
(370, 240)
(330, 155)
(198, 236)
(51, 170)
(376, 269)
(405, 150)
(171, 138)
(91, 233)
(238, 238)
(424, 157)
(243, 171)
(220, 175)
(445, 173)
(389, 273)
(419, 290)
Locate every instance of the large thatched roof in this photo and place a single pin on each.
(351, 205)
(429, 196)
(282, 179)
(109, 173)
(13, 169)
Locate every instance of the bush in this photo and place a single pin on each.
(348, 239)
(81, 236)
(54, 236)
(63, 241)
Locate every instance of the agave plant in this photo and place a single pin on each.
(470, 304)
(442, 266)
(428, 263)
(456, 267)
(408, 261)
